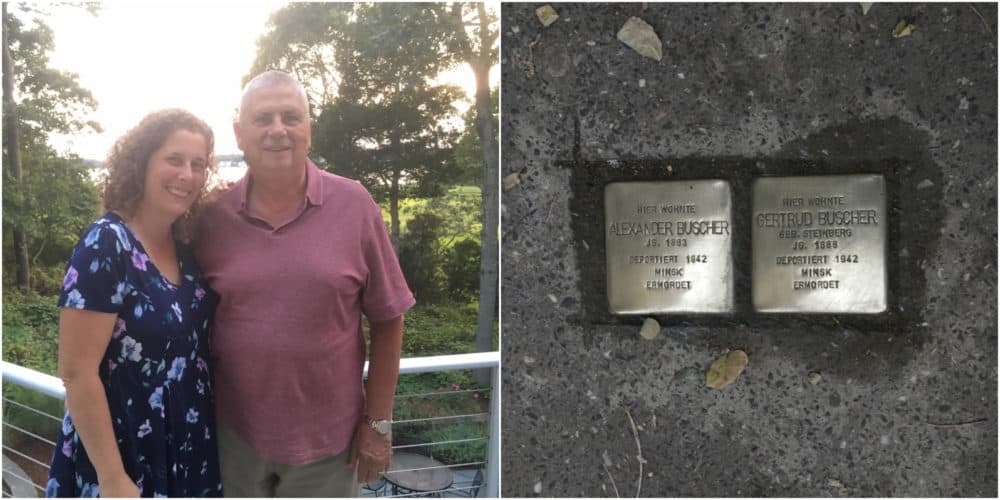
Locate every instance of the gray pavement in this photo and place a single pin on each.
(907, 400)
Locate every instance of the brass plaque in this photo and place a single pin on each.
(819, 244)
(668, 246)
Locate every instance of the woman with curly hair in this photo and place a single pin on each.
(133, 323)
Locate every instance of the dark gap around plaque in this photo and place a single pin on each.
(914, 218)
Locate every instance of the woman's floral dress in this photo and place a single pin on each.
(154, 372)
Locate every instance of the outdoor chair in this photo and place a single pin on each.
(469, 489)
(376, 488)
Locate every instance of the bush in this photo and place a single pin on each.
(31, 330)
(461, 270)
(420, 257)
(438, 329)
(444, 401)
(17, 416)
(31, 339)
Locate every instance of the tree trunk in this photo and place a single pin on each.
(490, 257)
(14, 158)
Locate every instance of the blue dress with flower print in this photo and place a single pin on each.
(154, 370)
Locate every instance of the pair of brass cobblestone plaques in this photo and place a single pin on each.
(818, 244)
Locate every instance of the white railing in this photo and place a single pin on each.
(52, 386)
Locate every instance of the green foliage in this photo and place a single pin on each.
(440, 245)
(420, 257)
(443, 394)
(370, 69)
(49, 100)
(461, 270)
(30, 330)
(422, 383)
(59, 202)
(459, 453)
(30, 339)
(439, 329)
(384, 128)
(28, 420)
(468, 152)
(460, 209)
(54, 199)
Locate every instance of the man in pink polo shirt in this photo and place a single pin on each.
(297, 255)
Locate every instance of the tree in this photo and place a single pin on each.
(479, 49)
(39, 100)
(468, 153)
(13, 151)
(421, 256)
(300, 41)
(369, 68)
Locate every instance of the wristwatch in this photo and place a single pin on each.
(380, 426)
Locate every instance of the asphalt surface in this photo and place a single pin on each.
(906, 400)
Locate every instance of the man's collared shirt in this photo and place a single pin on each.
(287, 341)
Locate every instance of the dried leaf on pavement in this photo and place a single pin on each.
(726, 369)
(546, 14)
(641, 38)
(903, 28)
(835, 483)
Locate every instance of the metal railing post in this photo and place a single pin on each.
(493, 456)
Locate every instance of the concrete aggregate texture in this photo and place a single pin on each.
(902, 403)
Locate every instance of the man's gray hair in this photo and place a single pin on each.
(272, 78)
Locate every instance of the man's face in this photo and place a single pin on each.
(274, 130)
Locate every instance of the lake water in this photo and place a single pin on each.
(225, 173)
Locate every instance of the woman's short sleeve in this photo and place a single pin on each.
(96, 276)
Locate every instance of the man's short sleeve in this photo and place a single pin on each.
(385, 294)
(95, 278)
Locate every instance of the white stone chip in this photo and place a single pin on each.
(641, 37)
(650, 329)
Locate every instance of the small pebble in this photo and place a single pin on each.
(538, 488)
(815, 377)
(511, 180)
(553, 298)
(642, 83)
(650, 329)
(924, 184)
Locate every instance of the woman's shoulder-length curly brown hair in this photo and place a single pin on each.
(128, 162)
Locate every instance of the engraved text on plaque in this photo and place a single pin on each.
(668, 247)
(819, 244)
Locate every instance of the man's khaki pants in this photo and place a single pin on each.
(246, 474)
